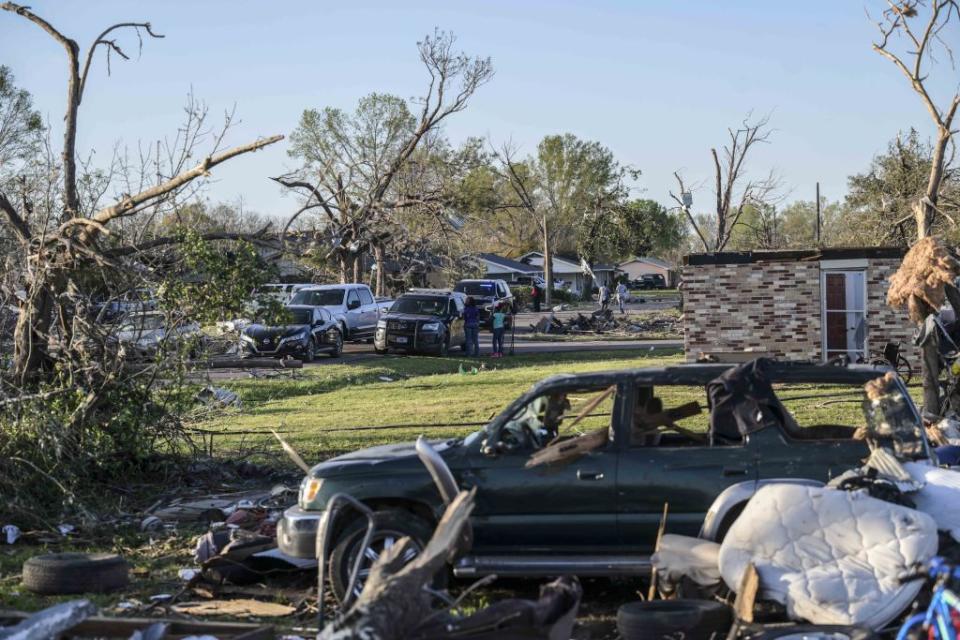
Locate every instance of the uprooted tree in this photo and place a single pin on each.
(69, 405)
(733, 191)
(72, 242)
(354, 163)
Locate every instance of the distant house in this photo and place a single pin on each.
(569, 270)
(498, 267)
(639, 266)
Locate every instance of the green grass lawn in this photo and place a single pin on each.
(330, 409)
(320, 410)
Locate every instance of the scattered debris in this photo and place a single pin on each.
(210, 395)
(51, 622)
(240, 608)
(605, 321)
(11, 533)
(919, 282)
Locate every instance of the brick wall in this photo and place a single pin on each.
(774, 307)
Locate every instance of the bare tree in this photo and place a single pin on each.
(351, 162)
(58, 255)
(902, 22)
(733, 191)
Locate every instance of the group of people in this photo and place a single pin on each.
(471, 327)
(603, 296)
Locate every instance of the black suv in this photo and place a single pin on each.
(487, 293)
(650, 281)
(422, 320)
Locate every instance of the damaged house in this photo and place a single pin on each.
(805, 304)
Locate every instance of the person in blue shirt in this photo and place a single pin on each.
(471, 327)
(498, 322)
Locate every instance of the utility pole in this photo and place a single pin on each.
(818, 214)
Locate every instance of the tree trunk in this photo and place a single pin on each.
(342, 261)
(31, 331)
(378, 278)
(547, 265)
(357, 268)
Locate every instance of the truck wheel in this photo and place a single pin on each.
(337, 350)
(390, 526)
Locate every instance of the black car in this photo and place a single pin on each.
(487, 293)
(649, 281)
(422, 320)
(306, 332)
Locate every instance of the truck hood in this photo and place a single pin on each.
(412, 317)
(371, 457)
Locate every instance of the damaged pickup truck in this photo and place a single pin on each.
(597, 513)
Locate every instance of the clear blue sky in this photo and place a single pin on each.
(656, 81)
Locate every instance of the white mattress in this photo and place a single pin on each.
(939, 497)
(683, 556)
(831, 557)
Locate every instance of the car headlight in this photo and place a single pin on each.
(431, 326)
(381, 324)
(297, 337)
(309, 490)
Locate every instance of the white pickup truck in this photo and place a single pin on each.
(352, 305)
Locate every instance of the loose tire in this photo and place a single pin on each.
(63, 573)
(390, 526)
(690, 619)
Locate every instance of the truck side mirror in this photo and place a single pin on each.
(353, 304)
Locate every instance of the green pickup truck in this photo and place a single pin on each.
(598, 514)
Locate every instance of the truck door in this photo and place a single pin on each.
(566, 508)
(661, 464)
(354, 313)
(369, 313)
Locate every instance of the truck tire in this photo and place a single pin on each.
(690, 619)
(390, 526)
(63, 573)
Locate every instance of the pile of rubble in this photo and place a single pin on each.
(605, 321)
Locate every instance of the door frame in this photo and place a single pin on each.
(844, 269)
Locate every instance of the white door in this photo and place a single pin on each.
(844, 314)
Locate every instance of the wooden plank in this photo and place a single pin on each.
(102, 626)
(747, 594)
(656, 547)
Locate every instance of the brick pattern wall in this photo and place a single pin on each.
(775, 308)
(883, 323)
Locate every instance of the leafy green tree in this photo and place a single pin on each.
(882, 201)
(634, 228)
(570, 185)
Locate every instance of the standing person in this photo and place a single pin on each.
(621, 295)
(471, 327)
(603, 297)
(535, 296)
(498, 322)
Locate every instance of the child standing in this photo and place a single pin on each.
(498, 322)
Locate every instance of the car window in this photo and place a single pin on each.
(677, 415)
(421, 305)
(564, 413)
(143, 323)
(365, 296)
(452, 308)
(318, 298)
(352, 297)
(299, 316)
(483, 289)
